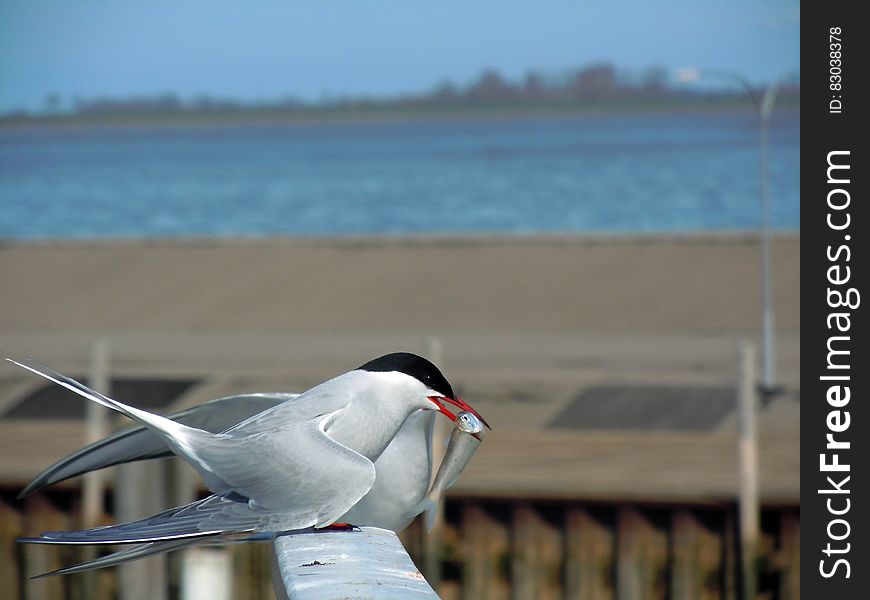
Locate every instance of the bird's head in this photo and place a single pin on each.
(436, 389)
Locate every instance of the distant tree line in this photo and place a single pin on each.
(593, 83)
(596, 84)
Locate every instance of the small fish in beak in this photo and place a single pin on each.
(465, 438)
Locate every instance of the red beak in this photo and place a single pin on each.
(459, 403)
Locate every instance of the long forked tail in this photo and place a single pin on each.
(218, 514)
(180, 438)
(152, 548)
(122, 556)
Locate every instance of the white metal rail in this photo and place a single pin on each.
(326, 565)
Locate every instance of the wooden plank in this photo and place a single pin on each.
(523, 555)
(630, 572)
(99, 584)
(41, 515)
(535, 555)
(589, 547)
(790, 555)
(450, 586)
(485, 547)
(685, 574)
(730, 559)
(767, 566)
(641, 558)
(10, 565)
(551, 551)
(696, 559)
(149, 577)
(710, 560)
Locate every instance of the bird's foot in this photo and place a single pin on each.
(340, 527)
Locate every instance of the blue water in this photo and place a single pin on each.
(581, 174)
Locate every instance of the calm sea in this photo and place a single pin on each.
(579, 174)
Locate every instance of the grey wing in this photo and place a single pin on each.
(316, 481)
(139, 443)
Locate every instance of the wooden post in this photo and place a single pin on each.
(748, 468)
(96, 428)
(184, 481)
(629, 560)
(730, 562)
(790, 555)
(433, 539)
(551, 544)
(94, 483)
(641, 557)
(710, 560)
(523, 555)
(10, 566)
(139, 491)
(536, 556)
(589, 557)
(485, 546)
(696, 558)
(206, 574)
(40, 515)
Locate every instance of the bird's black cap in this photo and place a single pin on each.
(413, 365)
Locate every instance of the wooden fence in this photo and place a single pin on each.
(549, 551)
(487, 550)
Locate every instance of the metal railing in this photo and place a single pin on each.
(369, 563)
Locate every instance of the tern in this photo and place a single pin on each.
(402, 472)
(356, 448)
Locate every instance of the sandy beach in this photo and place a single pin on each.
(666, 284)
(501, 306)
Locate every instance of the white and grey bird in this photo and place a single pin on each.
(354, 449)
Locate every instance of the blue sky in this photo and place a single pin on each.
(267, 49)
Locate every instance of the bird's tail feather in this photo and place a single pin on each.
(151, 549)
(177, 435)
(123, 556)
(216, 515)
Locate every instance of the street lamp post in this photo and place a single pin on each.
(764, 107)
(769, 386)
(748, 452)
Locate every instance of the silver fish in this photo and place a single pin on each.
(464, 440)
